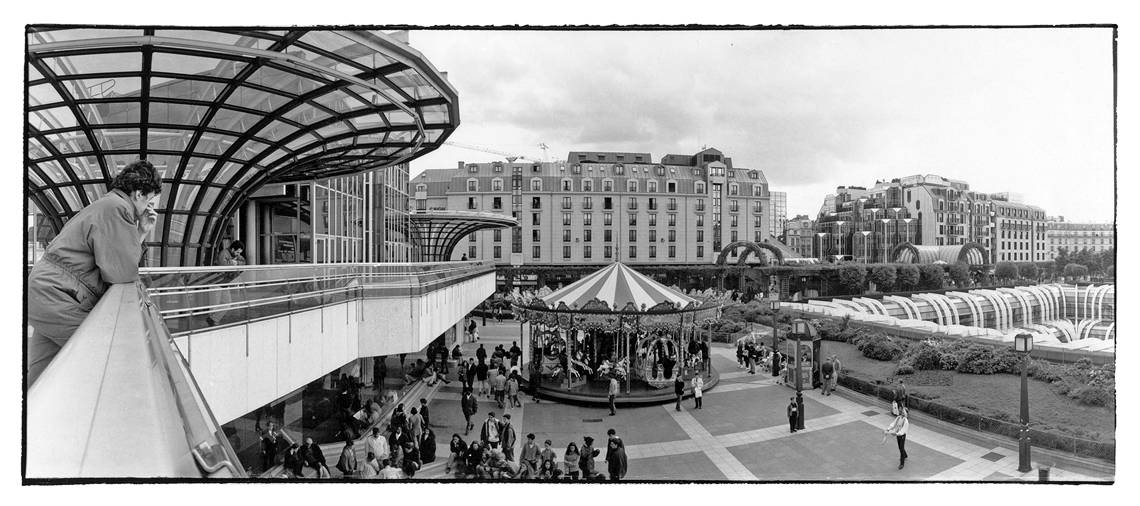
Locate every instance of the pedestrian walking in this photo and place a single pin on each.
(828, 370)
(678, 389)
(490, 431)
(793, 414)
(481, 371)
(899, 427)
(100, 245)
(616, 460)
(471, 371)
(461, 373)
(377, 444)
(515, 353)
(740, 353)
(705, 364)
(837, 368)
(499, 388)
(347, 464)
(513, 390)
(698, 389)
(424, 412)
(416, 426)
(507, 437)
(614, 388)
(469, 405)
(901, 395)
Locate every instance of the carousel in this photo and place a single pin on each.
(616, 323)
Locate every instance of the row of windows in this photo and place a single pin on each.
(587, 185)
(607, 236)
(607, 203)
(587, 252)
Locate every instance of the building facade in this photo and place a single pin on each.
(799, 234)
(779, 214)
(929, 210)
(599, 207)
(1074, 237)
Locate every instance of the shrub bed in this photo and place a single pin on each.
(1088, 384)
(1077, 446)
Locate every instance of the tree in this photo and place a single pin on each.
(883, 276)
(1006, 271)
(1076, 271)
(931, 276)
(907, 277)
(1028, 270)
(1062, 259)
(960, 275)
(851, 278)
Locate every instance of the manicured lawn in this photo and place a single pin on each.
(995, 396)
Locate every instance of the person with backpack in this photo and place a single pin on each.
(490, 431)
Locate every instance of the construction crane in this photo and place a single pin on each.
(511, 157)
(544, 148)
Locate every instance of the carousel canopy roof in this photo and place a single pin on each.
(617, 285)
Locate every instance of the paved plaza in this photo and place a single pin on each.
(742, 434)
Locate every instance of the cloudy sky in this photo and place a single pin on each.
(1021, 110)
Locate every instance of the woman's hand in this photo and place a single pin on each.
(146, 222)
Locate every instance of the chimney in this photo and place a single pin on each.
(460, 165)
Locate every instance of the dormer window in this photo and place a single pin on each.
(472, 185)
(661, 170)
(472, 168)
(619, 169)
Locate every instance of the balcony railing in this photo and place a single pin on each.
(119, 401)
(197, 298)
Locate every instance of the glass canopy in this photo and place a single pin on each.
(220, 113)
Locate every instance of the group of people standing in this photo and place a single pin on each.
(492, 456)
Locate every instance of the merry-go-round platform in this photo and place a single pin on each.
(617, 324)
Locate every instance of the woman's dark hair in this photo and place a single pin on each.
(237, 245)
(139, 175)
(572, 445)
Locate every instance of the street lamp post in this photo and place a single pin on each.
(774, 305)
(799, 330)
(1023, 344)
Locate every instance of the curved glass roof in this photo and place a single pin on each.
(220, 113)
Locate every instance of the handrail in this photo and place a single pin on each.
(119, 401)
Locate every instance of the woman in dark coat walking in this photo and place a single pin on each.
(615, 456)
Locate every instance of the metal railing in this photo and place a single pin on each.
(119, 401)
(195, 298)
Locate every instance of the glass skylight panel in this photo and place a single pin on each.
(277, 130)
(115, 139)
(105, 113)
(186, 194)
(43, 94)
(168, 139)
(251, 98)
(130, 61)
(81, 34)
(176, 114)
(196, 65)
(234, 121)
(86, 168)
(52, 119)
(53, 170)
(185, 89)
(74, 141)
(36, 150)
(212, 143)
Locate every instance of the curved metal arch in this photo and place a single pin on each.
(438, 232)
(402, 74)
(900, 248)
(751, 247)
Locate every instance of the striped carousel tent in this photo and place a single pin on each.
(617, 285)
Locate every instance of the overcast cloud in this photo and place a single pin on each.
(1020, 110)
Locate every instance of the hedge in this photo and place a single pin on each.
(1076, 446)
